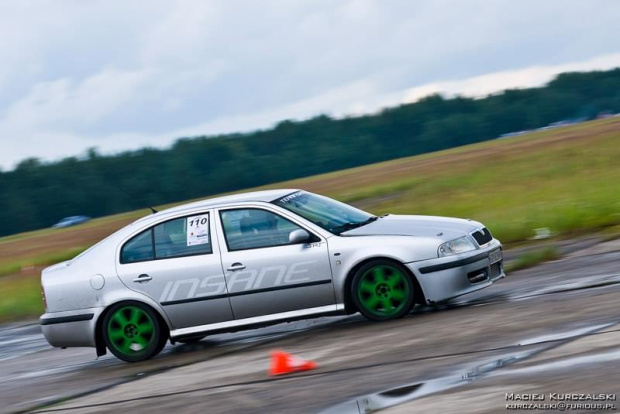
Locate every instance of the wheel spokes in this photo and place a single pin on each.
(386, 303)
(146, 327)
(116, 334)
(379, 273)
(394, 280)
(122, 344)
(398, 294)
(372, 302)
(134, 315)
(120, 318)
(368, 286)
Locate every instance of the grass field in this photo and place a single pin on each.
(566, 179)
(21, 297)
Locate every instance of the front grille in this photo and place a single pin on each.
(482, 236)
(495, 270)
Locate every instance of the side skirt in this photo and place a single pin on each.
(239, 324)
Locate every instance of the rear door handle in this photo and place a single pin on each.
(236, 266)
(143, 278)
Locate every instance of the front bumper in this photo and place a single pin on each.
(70, 329)
(448, 277)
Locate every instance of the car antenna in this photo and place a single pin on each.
(140, 201)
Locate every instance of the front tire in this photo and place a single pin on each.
(382, 290)
(133, 332)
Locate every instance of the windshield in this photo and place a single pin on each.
(332, 215)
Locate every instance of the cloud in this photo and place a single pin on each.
(533, 76)
(67, 104)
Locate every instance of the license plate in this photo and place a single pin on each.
(495, 256)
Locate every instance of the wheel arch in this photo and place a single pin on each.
(100, 342)
(348, 301)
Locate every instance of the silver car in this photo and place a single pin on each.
(254, 259)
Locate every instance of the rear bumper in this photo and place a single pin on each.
(446, 278)
(71, 328)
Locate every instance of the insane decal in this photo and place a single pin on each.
(246, 280)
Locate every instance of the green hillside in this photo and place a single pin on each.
(35, 195)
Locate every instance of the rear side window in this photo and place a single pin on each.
(139, 248)
(186, 236)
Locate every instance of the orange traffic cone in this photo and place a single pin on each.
(285, 363)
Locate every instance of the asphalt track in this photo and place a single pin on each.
(550, 329)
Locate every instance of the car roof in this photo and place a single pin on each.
(261, 196)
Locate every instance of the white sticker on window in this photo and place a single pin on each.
(198, 230)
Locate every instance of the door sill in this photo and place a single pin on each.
(256, 320)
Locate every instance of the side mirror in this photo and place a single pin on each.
(298, 236)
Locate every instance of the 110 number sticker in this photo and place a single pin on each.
(198, 230)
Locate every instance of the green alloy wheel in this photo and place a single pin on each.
(382, 290)
(132, 332)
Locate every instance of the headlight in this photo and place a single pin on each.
(460, 245)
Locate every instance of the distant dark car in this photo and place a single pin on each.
(71, 221)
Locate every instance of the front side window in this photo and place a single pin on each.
(186, 236)
(252, 228)
(332, 215)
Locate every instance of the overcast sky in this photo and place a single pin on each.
(127, 74)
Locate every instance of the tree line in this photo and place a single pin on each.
(37, 194)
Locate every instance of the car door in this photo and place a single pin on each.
(265, 274)
(176, 264)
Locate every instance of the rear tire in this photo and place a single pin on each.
(133, 331)
(382, 290)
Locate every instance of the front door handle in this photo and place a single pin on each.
(143, 278)
(236, 266)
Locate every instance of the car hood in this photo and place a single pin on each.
(444, 228)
